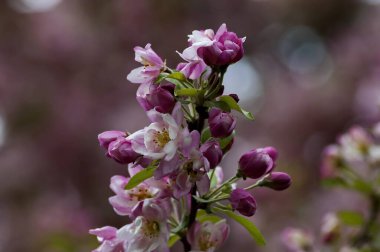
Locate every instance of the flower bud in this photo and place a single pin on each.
(255, 163)
(211, 150)
(278, 181)
(121, 151)
(107, 137)
(227, 48)
(330, 229)
(297, 240)
(155, 96)
(221, 124)
(243, 201)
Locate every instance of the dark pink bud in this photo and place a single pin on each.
(155, 96)
(255, 163)
(278, 181)
(211, 150)
(121, 151)
(227, 48)
(243, 201)
(235, 97)
(107, 137)
(272, 152)
(221, 124)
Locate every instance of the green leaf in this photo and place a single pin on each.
(361, 186)
(203, 216)
(248, 225)
(177, 76)
(173, 238)
(351, 218)
(224, 142)
(161, 77)
(186, 92)
(334, 182)
(140, 177)
(219, 104)
(206, 134)
(235, 106)
(214, 180)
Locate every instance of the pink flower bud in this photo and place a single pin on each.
(221, 124)
(211, 150)
(160, 97)
(278, 181)
(256, 163)
(330, 228)
(243, 201)
(121, 151)
(227, 48)
(107, 137)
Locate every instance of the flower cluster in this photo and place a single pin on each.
(175, 189)
(353, 163)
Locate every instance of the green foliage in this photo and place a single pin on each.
(351, 218)
(173, 238)
(141, 177)
(248, 225)
(232, 104)
(203, 216)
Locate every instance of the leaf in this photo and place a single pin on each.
(140, 177)
(248, 225)
(203, 216)
(219, 104)
(235, 106)
(334, 182)
(161, 77)
(173, 238)
(351, 218)
(224, 142)
(186, 92)
(206, 134)
(361, 186)
(177, 76)
(214, 179)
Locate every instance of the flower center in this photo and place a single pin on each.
(161, 138)
(139, 194)
(151, 228)
(205, 241)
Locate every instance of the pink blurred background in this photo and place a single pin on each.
(311, 70)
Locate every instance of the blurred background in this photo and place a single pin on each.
(311, 70)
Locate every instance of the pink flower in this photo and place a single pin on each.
(193, 171)
(108, 137)
(148, 232)
(227, 48)
(126, 202)
(107, 236)
(147, 57)
(121, 151)
(161, 138)
(153, 65)
(154, 96)
(207, 236)
(194, 65)
(297, 240)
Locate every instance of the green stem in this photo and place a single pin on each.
(365, 235)
(213, 193)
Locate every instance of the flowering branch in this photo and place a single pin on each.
(352, 164)
(175, 189)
